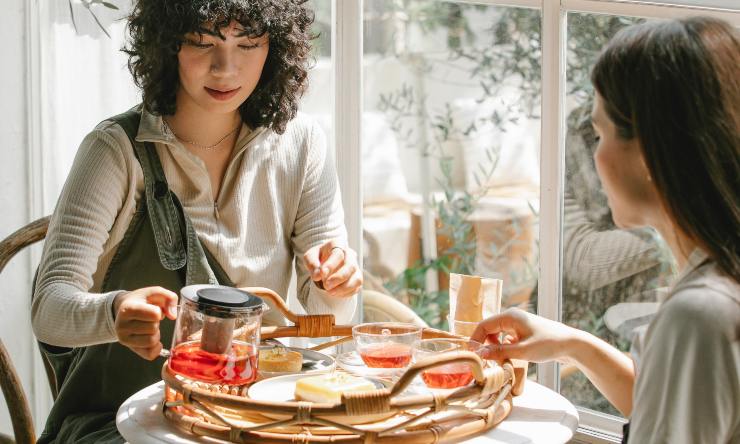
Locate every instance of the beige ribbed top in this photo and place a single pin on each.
(279, 197)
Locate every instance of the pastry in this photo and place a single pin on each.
(329, 387)
(280, 359)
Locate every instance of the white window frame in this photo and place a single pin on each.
(347, 55)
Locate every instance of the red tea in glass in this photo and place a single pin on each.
(448, 376)
(386, 355)
(235, 367)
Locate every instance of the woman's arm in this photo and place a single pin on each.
(64, 312)
(610, 370)
(319, 219)
(537, 339)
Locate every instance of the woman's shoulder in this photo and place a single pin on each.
(708, 299)
(108, 134)
(304, 128)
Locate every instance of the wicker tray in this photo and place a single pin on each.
(227, 413)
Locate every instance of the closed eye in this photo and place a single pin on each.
(199, 45)
(248, 47)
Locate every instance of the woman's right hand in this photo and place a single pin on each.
(527, 336)
(138, 314)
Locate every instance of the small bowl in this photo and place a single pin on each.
(446, 376)
(386, 344)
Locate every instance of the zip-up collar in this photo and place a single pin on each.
(152, 128)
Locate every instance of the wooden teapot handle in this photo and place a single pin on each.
(310, 326)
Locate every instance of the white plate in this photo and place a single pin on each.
(324, 364)
(282, 389)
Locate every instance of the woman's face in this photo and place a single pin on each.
(632, 196)
(218, 75)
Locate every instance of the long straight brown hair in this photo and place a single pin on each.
(675, 85)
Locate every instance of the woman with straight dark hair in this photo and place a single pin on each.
(667, 112)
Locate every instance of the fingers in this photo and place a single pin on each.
(349, 287)
(341, 276)
(138, 314)
(512, 322)
(332, 259)
(164, 299)
(334, 269)
(313, 262)
(137, 341)
(323, 260)
(148, 353)
(499, 352)
(135, 327)
(488, 329)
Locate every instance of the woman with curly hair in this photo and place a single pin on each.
(214, 178)
(667, 116)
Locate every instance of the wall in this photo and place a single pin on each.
(15, 329)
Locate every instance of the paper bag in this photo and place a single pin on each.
(472, 299)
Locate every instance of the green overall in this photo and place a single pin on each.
(160, 248)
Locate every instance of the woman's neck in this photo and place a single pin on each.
(681, 245)
(193, 124)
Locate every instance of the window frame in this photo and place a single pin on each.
(347, 60)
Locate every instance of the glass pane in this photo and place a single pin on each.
(451, 137)
(315, 100)
(611, 277)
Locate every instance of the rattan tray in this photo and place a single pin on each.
(227, 413)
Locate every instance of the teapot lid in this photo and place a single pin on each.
(222, 301)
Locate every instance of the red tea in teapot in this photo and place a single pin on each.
(235, 367)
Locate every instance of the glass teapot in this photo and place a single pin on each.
(217, 334)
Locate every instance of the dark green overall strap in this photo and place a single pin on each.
(169, 242)
(93, 381)
(163, 211)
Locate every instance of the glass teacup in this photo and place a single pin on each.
(446, 376)
(386, 344)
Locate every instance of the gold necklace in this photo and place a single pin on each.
(201, 146)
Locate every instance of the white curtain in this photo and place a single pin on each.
(84, 79)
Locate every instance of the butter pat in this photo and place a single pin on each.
(279, 359)
(329, 387)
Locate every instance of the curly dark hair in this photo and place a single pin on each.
(157, 29)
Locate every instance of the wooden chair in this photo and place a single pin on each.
(380, 307)
(15, 397)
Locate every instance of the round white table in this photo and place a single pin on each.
(539, 416)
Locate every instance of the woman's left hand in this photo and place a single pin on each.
(334, 268)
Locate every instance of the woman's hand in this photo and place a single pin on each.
(534, 338)
(334, 269)
(138, 314)
(525, 336)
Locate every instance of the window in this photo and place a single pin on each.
(450, 148)
(611, 277)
